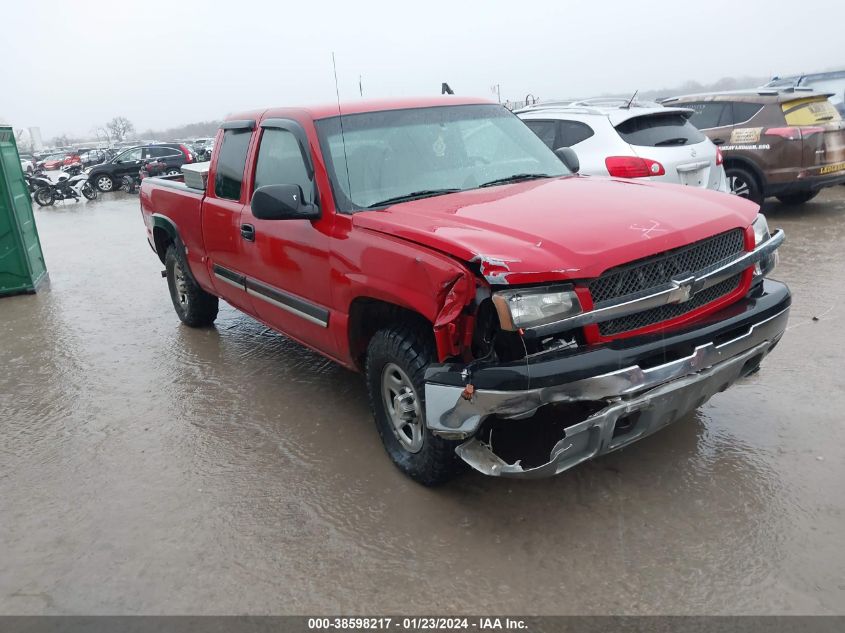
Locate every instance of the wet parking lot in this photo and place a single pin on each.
(149, 468)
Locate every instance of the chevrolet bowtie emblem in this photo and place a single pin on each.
(684, 288)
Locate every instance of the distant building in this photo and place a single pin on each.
(35, 138)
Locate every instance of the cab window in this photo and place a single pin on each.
(231, 162)
(280, 162)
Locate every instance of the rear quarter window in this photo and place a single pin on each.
(743, 111)
(659, 130)
(573, 132)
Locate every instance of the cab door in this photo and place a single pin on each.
(222, 207)
(287, 261)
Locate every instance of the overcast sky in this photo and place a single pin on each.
(168, 62)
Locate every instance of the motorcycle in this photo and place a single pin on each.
(67, 187)
(151, 167)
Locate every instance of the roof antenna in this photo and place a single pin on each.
(342, 137)
(631, 100)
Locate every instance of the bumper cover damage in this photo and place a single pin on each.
(636, 398)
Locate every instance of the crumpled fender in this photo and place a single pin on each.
(390, 269)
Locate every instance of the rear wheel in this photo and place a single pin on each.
(743, 184)
(45, 196)
(172, 171)
(798, 198)
(104, 182)
(397, 358)
(194, 306)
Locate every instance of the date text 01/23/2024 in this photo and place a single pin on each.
(416, 624)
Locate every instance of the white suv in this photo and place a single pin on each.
(624, 139)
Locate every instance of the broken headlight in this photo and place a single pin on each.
(761, 234)
(532, 307)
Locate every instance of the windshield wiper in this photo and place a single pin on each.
(414, 195)
(679, 140)
(514, 178)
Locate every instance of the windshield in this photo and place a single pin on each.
(426, 151)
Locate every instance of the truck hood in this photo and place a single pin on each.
(574, 227)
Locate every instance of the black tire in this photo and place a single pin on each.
(104, 182)
(44, 196)
(744, 184)
(798, 198)
(193, 305)
(410, 350)
(89, 192)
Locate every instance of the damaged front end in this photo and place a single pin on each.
(560, 402)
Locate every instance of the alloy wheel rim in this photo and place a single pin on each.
(739, 187)
(104, 183)
(403, 407)
(181, 286)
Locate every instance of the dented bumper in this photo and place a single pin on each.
(638, 385)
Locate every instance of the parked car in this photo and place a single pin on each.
(626, 139)
(57, 161)
(108, 175)
(785, 143)
(832, 82)
(27, 165)
(505, 311)
(203, 147)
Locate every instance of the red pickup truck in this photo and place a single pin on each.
(505, 311)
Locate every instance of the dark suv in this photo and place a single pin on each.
(788, 143)
(107, 176)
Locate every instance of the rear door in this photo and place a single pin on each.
(221, 215)
(687, 156)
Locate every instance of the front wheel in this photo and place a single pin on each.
(193, 305)
(397, 358)
(88, 191)
(798, 198)
(743, 184)
(45, 196)
(104, 182)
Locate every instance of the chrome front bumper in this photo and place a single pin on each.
(655, 395)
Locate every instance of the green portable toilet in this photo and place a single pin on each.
(21, 260)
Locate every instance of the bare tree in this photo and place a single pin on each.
(120, 127)
(23, 141)
(61, 141)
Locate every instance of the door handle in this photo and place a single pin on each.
(248, 232)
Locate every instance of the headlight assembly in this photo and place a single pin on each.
(532, 307)
(761, 234)
(761, 229)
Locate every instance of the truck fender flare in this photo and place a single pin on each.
(166, 225)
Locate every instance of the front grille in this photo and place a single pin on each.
(670, 310)
(645, 274)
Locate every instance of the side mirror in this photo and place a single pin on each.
(282, 202)
(569, 158)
